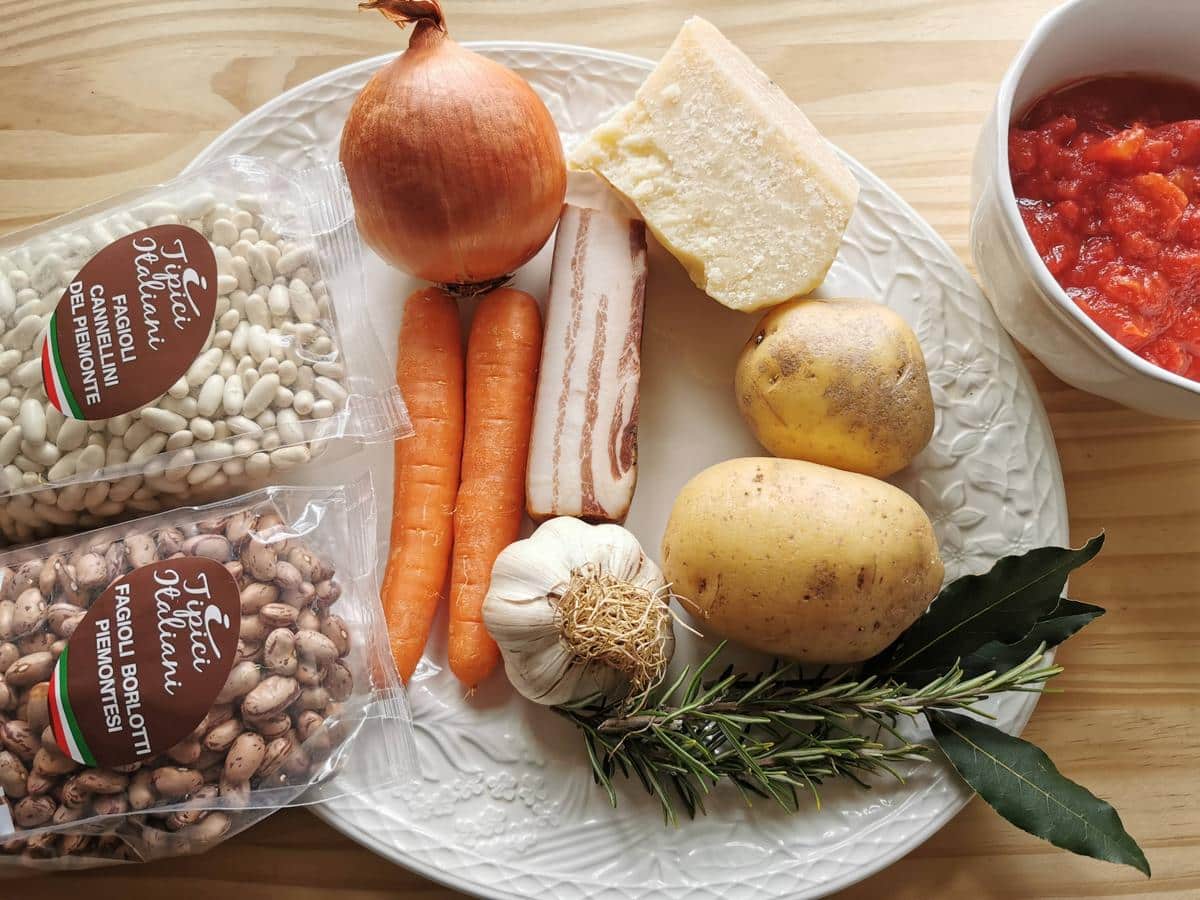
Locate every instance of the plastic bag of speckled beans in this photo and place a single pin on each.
(182, 343)
(168, 682)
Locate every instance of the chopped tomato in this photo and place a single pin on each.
(1107, 178)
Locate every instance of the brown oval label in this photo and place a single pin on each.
(147, 661)
(131, 322)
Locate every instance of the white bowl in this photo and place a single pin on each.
(1082, 38)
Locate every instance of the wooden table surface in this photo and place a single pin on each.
(97, 97)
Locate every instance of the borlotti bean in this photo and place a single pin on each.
(151, 339)
(167, 682)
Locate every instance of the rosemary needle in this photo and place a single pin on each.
(772, 734)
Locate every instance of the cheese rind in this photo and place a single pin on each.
(729, 174)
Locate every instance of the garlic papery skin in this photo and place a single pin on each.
(523, 615)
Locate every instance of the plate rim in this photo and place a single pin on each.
(962, 796)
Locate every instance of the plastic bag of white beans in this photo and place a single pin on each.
(181, 343)
(168, 682)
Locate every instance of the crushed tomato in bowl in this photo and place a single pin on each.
(1107, 178)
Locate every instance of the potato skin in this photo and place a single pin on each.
(837, 382)
(800, 560)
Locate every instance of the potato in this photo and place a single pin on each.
(838, 382)
(800, 560)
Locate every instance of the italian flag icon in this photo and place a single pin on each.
(62, 720)
(55, 376)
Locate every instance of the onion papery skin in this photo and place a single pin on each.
(454, 163)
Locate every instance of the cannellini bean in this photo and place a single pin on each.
(187, 407)
(260, 268)
(243, 425)
(287, 423)
(257, 312)
(331, 390)
(304, 305)
(179, 389)
(33, 421)
(44, 454)
(65, 467)
(71, 435)
(180, 439)
(116, 454)
(260, 395)
(163, 420)
(35, 306)
(303, 401)
(258, 465)
(286, 457)
(237, 344)
(206, 363)
(224, 232)
(203, 472)
(54, 420)
(245, 445)
(258, 343)
(28, 373)
(47, 273)
(10, 443)
(211, 393)
(232, 397)
(241, 271)
(120, 424)
(202, 428)
(23, 336)
(91, 458)
(136, 435)
(151, 446)
(279, 301)
(291, 261)
(288, 371)
(214, 450)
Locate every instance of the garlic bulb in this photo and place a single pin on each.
(579, 610)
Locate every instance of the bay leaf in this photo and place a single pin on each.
(1019, 781)
(1003, 605)
(1067, 619)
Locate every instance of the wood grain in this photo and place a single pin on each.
(101, 96)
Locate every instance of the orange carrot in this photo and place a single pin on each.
(429, 371)
(503, 352)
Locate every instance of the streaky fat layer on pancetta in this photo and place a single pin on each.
(583, 455)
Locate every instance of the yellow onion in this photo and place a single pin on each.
(455, 165)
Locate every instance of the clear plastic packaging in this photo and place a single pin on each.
(181, 343)
(105, 655)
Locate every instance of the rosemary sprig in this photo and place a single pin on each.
(772, 735)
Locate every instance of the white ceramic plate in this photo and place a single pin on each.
(506, 806)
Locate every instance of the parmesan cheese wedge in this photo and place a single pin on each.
(729, 174)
